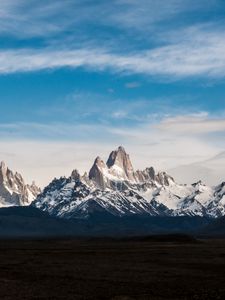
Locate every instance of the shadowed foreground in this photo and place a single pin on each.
(110, 269)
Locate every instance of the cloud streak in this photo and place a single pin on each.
(188, 51)
(198, 57)
(37, 18)
(192, 125)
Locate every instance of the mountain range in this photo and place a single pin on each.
(114, 187)
(111, 198)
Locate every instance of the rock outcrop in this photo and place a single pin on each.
(13, 190)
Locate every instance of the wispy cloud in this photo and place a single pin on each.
(189, 125)
(188, 51)
(35, 18)
(192, 124)
(27, 19)
(204, 57)
(111, 109)
(132, 85)
(145, 15)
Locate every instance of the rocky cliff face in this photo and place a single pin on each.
(13, 190)
(115, 188)
(118, 172)
(119, 165)
(98, 173)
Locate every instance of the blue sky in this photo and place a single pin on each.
(78, 78)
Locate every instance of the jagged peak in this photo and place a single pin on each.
(85, 175)
(75, 175)
(119, 164)
(151, 171)
(96, 172)
(121, 149)
(14, 189)
(99, 163)
(3, 165)
(97, 160)
(118, 156)
(3, 172)
(197, 183)
(33, 184)
(120, 190)
(18, 175)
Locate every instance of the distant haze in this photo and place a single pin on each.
(44, 161)
(210, 171)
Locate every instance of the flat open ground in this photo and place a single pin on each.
(108, 269)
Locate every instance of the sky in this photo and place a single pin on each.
(78, 78)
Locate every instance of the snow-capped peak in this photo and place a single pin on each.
(115, 188)
(14, 190)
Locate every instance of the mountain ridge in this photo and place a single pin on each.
(116, 188)
(13, 189)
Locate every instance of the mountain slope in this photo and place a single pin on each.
(114, 188)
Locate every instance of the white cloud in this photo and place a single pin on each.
(145, 15)
(32, 18)
(192, 124)
(202, 55)
(119, 114)
(197, 50)
(132, 85)
(21, 18)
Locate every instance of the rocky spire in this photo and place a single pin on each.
(2, 165)
(97, 172)
(146, 175)
(3, 172)
(164, 179)
(119, 163)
